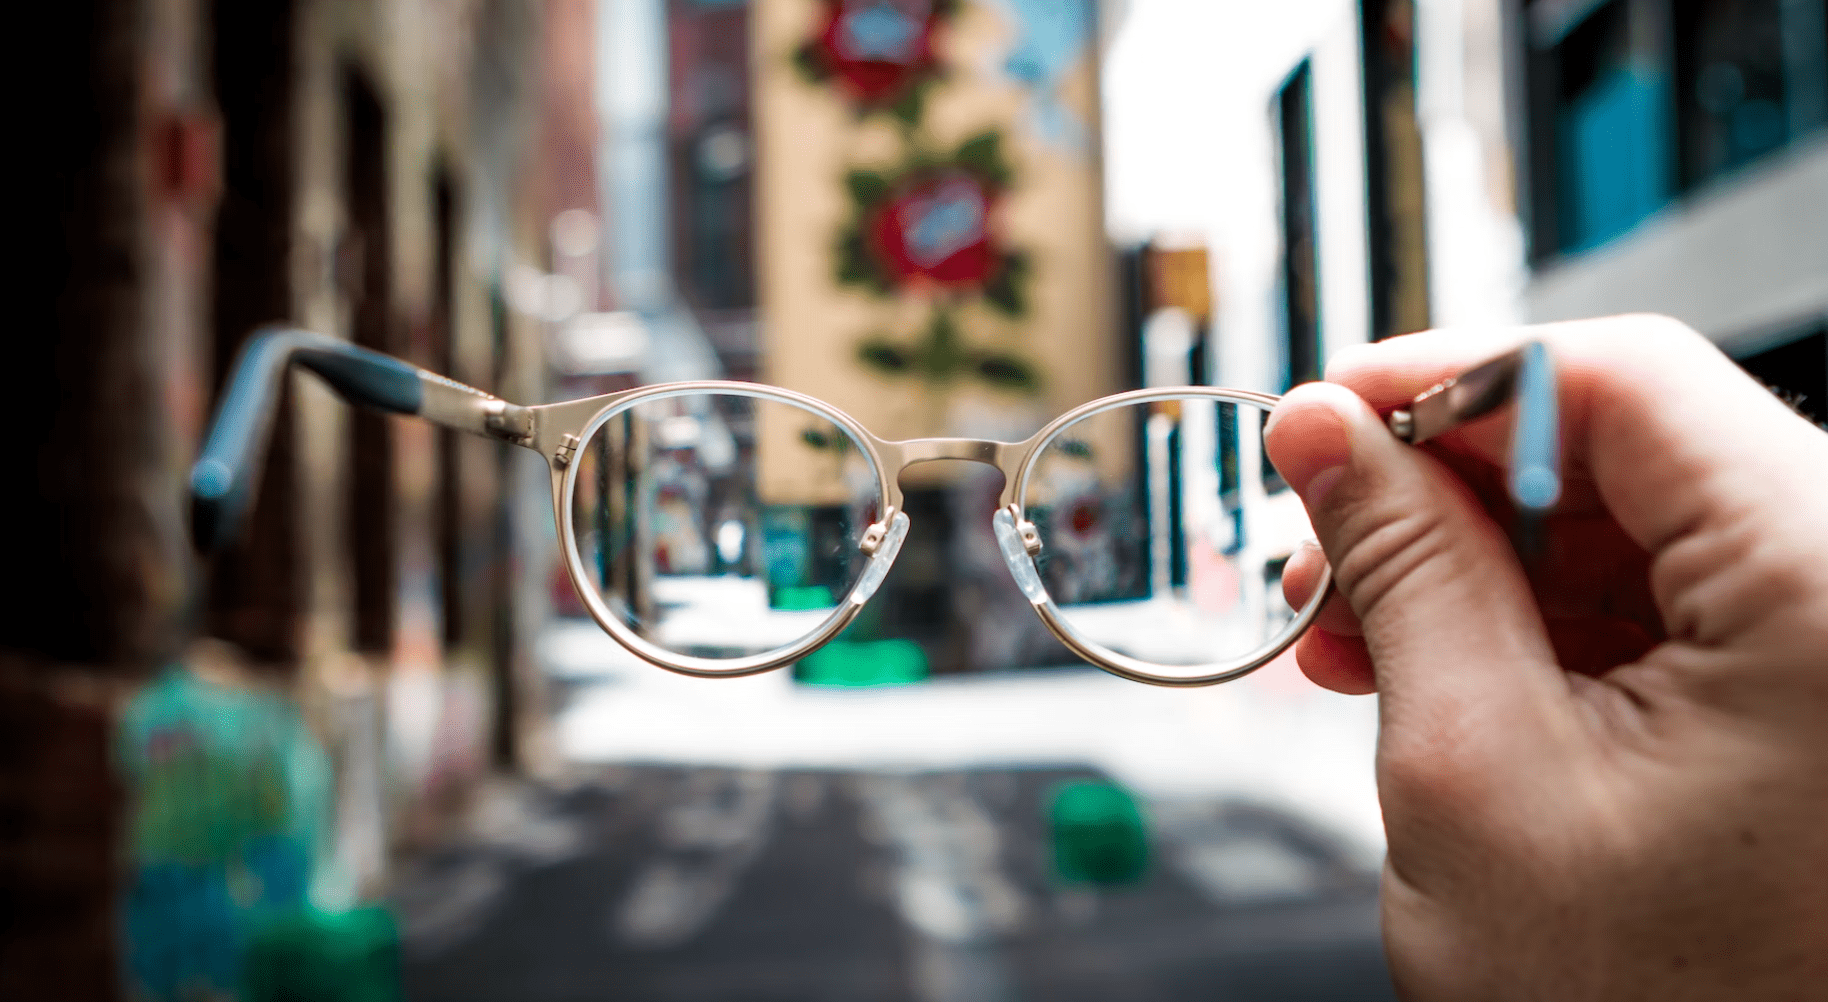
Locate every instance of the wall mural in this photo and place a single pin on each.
(230, 795)
(951, 278)
(931, 258)
(923, 228)
(878, 52)
(232, 893)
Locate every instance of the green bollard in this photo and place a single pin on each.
(863, 663)
(801, 597)
(1098, 833)
(314, 956)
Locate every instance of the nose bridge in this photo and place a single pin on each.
(901, 455)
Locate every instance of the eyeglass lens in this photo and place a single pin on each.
(720, 525)
(1164, 530)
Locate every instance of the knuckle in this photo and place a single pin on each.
(1385, 549)
(1726, 581)
(1660, 324)
(1633, 336)
(1349, 358)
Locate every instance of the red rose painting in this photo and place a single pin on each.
(878, 52)
(930, 224)
(927, 228)
(934, 229)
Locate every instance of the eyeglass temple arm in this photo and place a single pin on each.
(1526, 375)
(223, 479)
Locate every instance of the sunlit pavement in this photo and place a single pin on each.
(1271, 738)
(755, 839)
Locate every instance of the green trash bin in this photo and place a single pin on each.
(1099, 836)
(314, 956)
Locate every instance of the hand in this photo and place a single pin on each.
(1603, 775)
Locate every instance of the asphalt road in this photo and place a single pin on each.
(668, 883)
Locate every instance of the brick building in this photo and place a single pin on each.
(376, 171)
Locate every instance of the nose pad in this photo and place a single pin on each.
(1014, 538)
(892, 532)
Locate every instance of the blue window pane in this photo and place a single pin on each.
(1615, 156)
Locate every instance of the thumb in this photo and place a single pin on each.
(1449, 620)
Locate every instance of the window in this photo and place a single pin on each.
(256, 597)
(1393, 169)
(709, 132)
(368, 286)
(1294, 111)
(1752, 80)
(1635, 102)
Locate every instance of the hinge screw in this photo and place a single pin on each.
(1402, 425)
(568, 447)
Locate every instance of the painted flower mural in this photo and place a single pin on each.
(879, 52)
(933, 230)
(940, 357)
(928, 227)
(930, 194)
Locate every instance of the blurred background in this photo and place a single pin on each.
(375, 750)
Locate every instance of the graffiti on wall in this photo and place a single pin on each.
(230, 795)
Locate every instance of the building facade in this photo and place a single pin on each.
(1481, 163)
(205, 742)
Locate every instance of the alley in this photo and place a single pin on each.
(710, 883)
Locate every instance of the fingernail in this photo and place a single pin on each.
(1269, 423)
(1311, 453)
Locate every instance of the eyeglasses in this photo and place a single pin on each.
(721, 529)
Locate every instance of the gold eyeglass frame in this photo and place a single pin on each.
(561, 429)
(223, 478)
